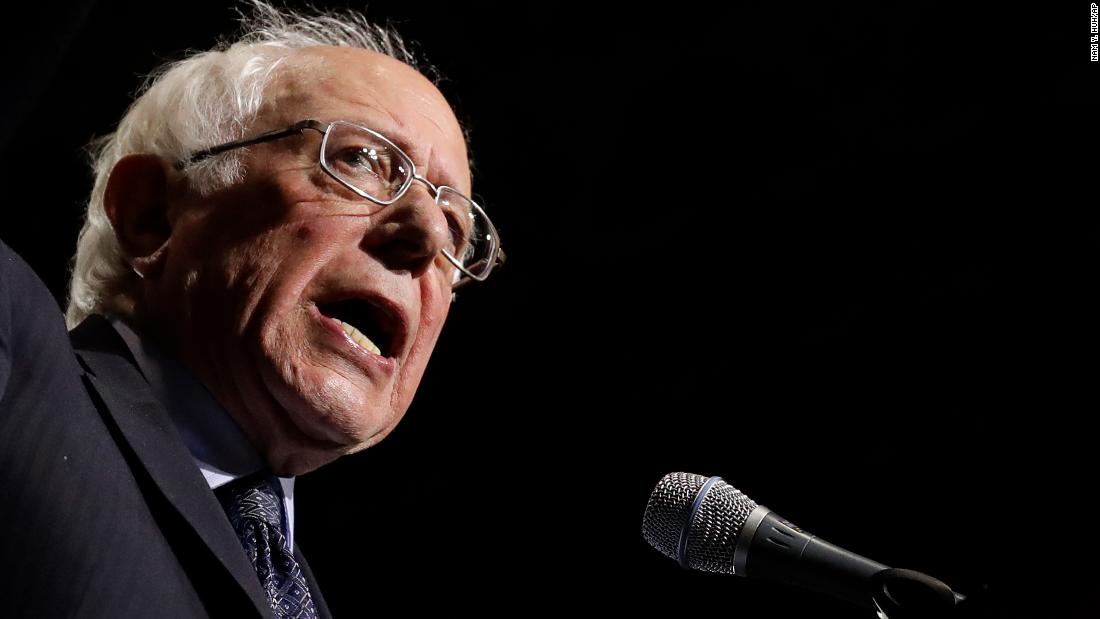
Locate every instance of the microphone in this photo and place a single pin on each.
(707, 524)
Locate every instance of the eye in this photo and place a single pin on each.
(362, 160)
(460, 232)
(369, 167)
(459, 221)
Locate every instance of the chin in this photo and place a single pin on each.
(327, 407)
(301, 452)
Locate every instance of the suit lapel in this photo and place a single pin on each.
(146, 427)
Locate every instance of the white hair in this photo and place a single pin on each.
(185, 106)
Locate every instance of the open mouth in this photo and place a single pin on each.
(367, 324)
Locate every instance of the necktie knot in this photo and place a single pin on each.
(252, 500)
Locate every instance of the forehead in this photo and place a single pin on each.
(357, 85)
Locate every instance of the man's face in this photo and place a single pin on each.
(259, 276)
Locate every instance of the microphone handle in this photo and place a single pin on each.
(776, 550)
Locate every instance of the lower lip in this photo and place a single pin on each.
(384, 364)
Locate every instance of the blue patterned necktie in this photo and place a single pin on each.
(256, 513)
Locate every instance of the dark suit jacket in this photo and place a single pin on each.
(103, 512)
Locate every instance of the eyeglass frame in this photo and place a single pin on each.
(497, 254)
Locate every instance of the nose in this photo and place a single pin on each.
(410, 233)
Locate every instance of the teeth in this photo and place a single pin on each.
(360, 339)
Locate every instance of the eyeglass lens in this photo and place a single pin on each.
(378, 169)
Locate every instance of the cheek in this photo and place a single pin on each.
(435, 305)
(279, 267)
(433, 326)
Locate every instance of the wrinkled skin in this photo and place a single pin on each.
(232, 280)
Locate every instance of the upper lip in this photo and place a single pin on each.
(389, 316)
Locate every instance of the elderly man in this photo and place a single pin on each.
(269, 255)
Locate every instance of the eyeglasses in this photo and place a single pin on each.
(373, 167)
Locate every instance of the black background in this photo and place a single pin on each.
(842, 256)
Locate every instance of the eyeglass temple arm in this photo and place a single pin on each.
(297, 127)
(462, 283)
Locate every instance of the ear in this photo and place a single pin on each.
(136, 201)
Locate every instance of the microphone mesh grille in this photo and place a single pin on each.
(714, 528)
